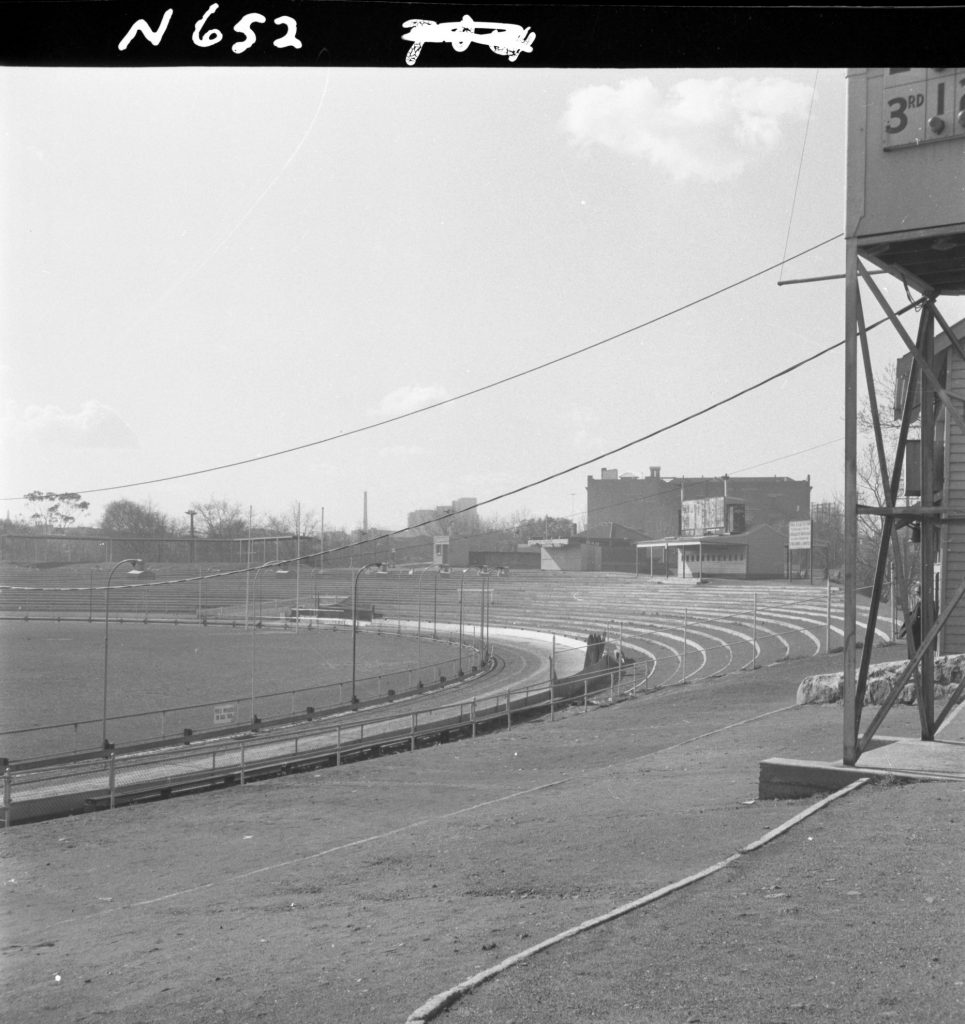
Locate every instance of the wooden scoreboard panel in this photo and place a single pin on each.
(922, 105)
(906, 172)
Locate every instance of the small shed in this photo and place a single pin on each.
(759, 553)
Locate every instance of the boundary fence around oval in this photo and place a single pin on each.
(226, 714)
(112, 779)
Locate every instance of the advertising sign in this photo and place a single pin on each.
(799, 535)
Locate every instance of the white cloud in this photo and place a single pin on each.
(708, 129)
(409, 398)
(94, 426)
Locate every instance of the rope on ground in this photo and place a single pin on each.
(434, 1006)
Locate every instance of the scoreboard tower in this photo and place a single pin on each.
(905, 217)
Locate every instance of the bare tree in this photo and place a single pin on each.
(294, 520)
(872, 489)
(222, 518)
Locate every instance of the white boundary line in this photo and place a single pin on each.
(432, 1007)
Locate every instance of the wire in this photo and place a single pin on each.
(788, 455)
(455, 398)
(524, 487)
(683, 479)
(639, 440)
(800, 166)
(535, 483)
(209, 256)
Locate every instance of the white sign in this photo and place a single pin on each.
(799, 535)
(225, 714)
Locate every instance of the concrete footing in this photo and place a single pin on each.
(783, 778)
(887, 758)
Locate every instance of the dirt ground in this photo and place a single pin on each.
(357, 894)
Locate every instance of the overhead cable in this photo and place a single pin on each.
(534, 483)
(454, 398)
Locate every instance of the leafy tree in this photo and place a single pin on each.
(133, 518)
(52, 511)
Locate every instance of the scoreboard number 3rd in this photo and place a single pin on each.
(923, 105)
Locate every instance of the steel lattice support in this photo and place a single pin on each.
(930, 513)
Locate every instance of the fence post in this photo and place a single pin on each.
(472, 716)
(7, 797)
(827, 626)
(683, 664)
(585, 684)
(509, 711)
(241, 776)
(754, 644)
(338, 744)
(111, 777)
(412, 732)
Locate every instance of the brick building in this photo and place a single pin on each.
(651, 505)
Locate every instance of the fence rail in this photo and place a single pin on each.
(113, 778)
(227, 714)
(714, 640)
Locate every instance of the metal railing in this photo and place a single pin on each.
(113, 778)
(232, 712)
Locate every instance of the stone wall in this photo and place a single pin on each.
(828, 688)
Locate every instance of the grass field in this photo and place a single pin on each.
(53, 674)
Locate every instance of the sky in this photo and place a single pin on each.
(208, 265)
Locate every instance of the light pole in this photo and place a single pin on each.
(484, 580)
(462, 583)
(191, 513)
(134, 562)
(254, 626)
(355, 593)
(435, 602)
(422, 573)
